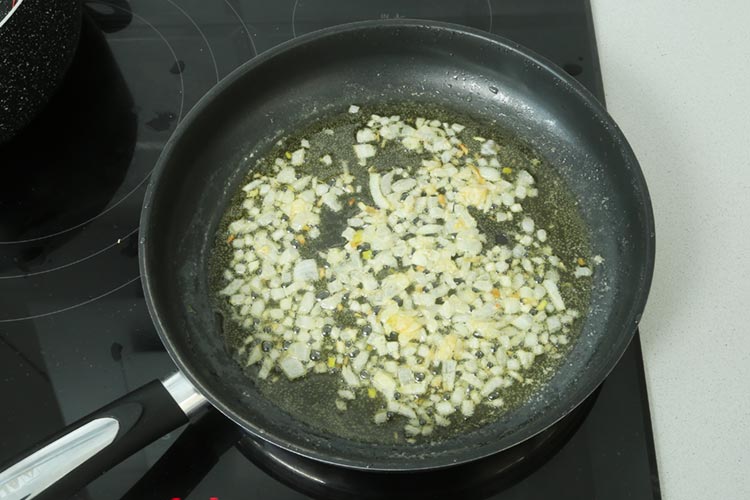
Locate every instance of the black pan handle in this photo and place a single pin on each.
(84, 450)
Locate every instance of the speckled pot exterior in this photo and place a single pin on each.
(37, 44)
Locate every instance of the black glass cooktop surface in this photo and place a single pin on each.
(74, 329)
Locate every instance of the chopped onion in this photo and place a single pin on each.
(306, 270)
(292, 367)
(255, 355)
(377, 196)
(384, 384)
(467, 408)
(403, 185)
(582, 272)
(298, 157)
(366, 135)
(444, 408)
(360, 361)
(553, 324)
(554, 294)
(364, 151)
(489, 173)
(425, 286)
(523, 322)
(527, 224)
(346, 394)
(349, 377)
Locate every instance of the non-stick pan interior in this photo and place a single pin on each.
(372, 63)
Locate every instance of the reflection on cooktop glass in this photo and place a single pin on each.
(74, 330)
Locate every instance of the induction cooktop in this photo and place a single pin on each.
(74, 329)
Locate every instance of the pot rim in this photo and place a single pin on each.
(11, 12)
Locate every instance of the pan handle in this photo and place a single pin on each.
(89, 447)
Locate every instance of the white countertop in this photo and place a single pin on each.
(677, 80)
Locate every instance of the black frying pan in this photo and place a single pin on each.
(294, 84)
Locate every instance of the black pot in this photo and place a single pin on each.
(47, 190)
(38, 39)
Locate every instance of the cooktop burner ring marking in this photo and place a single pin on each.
(203, 36)
(171, 51)
(145, 178)
(74, 262)
(296, 4)
(244, 26)
(294, 15)
(489, 6)
(64, 309)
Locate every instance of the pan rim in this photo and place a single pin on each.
(481, 451)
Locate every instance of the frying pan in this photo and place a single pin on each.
(295, 84)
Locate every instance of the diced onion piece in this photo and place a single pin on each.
(581, 272)
(331, 302)
(349, 377)
(331, 201)
(306, 270)
(405, 375)
(489, 174)
(286, 175)
(553, 324)
(255, 355)
(467, 408)
(442, 421)
(360, 361)
(366, 135)
(401, 409)
(526, 358)
(298, 157)
(307, 303)
(403, 185)
(265, 369)
(364, 151)
(527, 224)
(232, 287)
(412, 430)
(299, 350)
(384, 384)
(346, 394)
(491, 386)
(377, 196)
(444, 408)
(554, 294)
(523, 322)
(449, 374)
(414, 389)
(256, 309)
(411, 143)
(292, 367)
